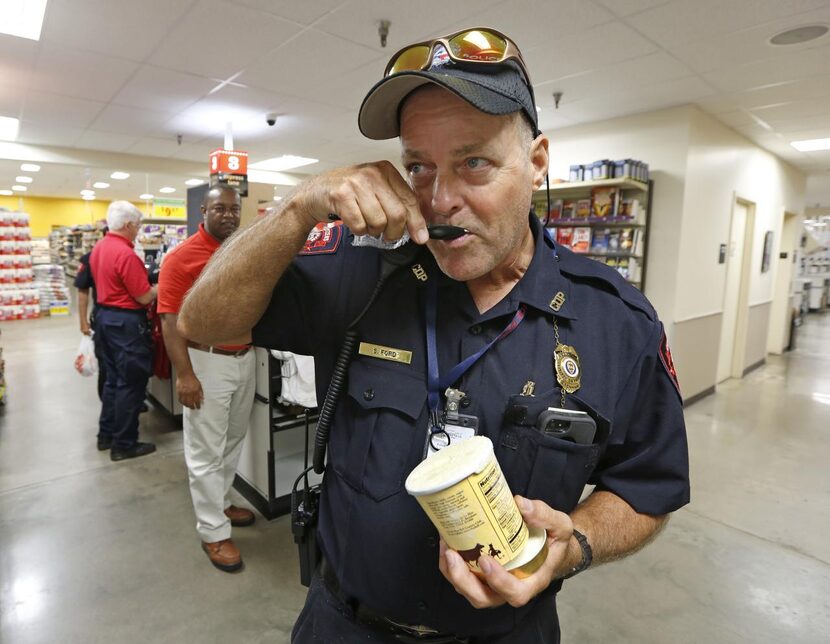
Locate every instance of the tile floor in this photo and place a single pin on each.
(94, 551)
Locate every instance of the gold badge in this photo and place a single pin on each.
(384, 353)
(566, 362)
(557, 301)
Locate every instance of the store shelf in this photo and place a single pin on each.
(617, 255)
(610, 222)
(575, 188)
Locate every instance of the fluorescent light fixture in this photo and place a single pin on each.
(23, 179)
(146, 196)
(167, 190)
(6, 193)
(22, 18)
(19, 188)
(8, 127)
(30, 167)
(88, 197)
(100, 184)
(811, 145)
(87, 192)
(821, 398)
(285, 162)
(272, 178)
(194, 182)
(120, 175)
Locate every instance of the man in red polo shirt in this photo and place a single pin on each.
(216, 386)
(122, 291)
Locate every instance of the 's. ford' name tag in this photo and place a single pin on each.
(384, 353)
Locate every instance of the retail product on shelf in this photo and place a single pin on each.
(604, 219)
(18, 295)
(50, 281)
(2, 378)
(40, 251)
(606, 169)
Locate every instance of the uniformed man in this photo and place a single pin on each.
(123, 291)
(500, 313)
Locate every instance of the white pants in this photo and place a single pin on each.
(213, 436)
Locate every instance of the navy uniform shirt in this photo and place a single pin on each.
(381, 545)
(83, 280)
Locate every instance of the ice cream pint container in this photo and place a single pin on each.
(464, 493)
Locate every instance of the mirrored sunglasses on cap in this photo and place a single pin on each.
(477, 45)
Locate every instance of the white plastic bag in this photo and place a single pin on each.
(86, 363)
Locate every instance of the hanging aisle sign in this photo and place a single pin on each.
(229, 168)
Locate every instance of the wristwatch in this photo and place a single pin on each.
(587, 555)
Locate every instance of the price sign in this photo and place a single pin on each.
(170, 208)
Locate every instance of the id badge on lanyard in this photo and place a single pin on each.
(450, 428)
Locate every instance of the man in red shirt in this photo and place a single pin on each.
(122, 292)
(215, 385)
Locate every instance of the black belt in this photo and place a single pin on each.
(407, 633)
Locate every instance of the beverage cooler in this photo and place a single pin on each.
(279, 440)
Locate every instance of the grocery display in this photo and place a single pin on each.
(19, 299)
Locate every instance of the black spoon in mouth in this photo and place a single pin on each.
(436, 231)
(445, 231)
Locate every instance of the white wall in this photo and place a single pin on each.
(661, 140)
(699, 167)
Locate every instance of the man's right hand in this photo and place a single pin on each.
(189, 391)
(371, 198)
(85, 329)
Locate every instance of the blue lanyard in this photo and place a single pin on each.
(435, 383)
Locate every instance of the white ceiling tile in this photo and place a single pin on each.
(785, 124)
(124, 29)
(301, 11)
(682, 20)
(106, 141)
(47, 109)
(153, 147)
(161, 89)
(305, 63)
(218, 39)
(17, 59)
(80, 74)
(48, 134)
(11, 100)
(798, 109)
(607, 82)
(796, 65)
(818, 190)
(133, 121)
(628, 7)
(536, 23)
(578, 52)
(746, 45)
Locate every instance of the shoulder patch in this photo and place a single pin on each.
(668, 363)
(324, 239)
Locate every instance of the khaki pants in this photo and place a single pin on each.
(213, 436)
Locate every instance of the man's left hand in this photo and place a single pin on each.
(497, 586)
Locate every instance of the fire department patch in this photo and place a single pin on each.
(668, 362)
(324, 239)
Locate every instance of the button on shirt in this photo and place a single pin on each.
(376, 537)
(120, 276)
(180, 269)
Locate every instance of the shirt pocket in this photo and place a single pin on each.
(382, 414)
(540, 466)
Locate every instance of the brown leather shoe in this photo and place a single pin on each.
(223, 554)
(240, 517)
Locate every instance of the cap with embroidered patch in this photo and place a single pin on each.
(497, 88)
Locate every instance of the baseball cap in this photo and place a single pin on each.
(500, 88)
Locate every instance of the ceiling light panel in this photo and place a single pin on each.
(285, 162)
(30, 167)
(23, 179)
(146, 196)
(19, 188)
(120, 175)
(9, 127)
(22, 18)
(811, 145)
(100, 184)
(167, 190)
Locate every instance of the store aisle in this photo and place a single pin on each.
(95, 551)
